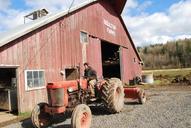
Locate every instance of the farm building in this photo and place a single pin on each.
(54, 47)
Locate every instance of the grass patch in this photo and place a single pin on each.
(157, 82)
(25, 115)
(166, 76)
(169, 72)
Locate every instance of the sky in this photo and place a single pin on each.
(148, 21)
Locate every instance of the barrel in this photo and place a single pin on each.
(148, 78)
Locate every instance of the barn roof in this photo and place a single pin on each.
(24, 29)
(118, 5)
(21, 30)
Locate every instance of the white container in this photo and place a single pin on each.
(148, 78)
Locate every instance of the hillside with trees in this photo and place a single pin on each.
(174, 54)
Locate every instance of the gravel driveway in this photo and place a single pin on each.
(163, 109)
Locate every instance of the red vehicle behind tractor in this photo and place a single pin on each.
(75, 95)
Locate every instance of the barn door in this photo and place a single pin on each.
(126, 64)
(94, 55)
(8, 89)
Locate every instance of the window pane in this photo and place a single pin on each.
(29, 74)
(36, 83)
(41, 78)
(83, 37)
(41, 82)
(41, 74)
(30, 83)
(35, 74)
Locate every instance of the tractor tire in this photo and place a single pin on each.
(41, 119)
(113, 95)
(142, 96)
(81, 117)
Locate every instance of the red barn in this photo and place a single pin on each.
(53, 47)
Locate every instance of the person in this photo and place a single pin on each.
(91, 76)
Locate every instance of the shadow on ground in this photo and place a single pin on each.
(131, 103)
(59, 119)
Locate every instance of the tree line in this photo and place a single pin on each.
(174, 54)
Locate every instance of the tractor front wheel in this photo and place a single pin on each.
(81, 117)
(39, 117)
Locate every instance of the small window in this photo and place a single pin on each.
(34, 79)
(134, 60)
(83, 37)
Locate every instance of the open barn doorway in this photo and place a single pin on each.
(8, 90)
(110, 60)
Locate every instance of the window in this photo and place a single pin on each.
(83, 37)
(34, 79)
(71, 73)
(134, 60)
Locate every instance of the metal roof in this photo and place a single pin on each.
(21, 30)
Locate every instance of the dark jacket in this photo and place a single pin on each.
(90, 74)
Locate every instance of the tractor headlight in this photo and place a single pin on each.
(70, 90)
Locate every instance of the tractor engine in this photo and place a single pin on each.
(55, 95)
(73, 98)
(66, 94)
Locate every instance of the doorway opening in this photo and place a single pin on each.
(8, 90)
(110, 60)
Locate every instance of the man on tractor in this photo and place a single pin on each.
(91, 76)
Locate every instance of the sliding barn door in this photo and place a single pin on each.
(126, 65)
(94, 55)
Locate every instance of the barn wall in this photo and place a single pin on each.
(57, 46)
(131, 68)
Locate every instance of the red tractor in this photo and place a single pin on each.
(75, 95)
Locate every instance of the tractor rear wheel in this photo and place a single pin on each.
(113, 95)
(81, 117)
(142, 96)
(39, 117)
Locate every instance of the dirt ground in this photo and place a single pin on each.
(6, 116)
(166, 107)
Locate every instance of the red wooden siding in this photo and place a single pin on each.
(57, 46)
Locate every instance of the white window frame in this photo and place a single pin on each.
(87, 37)
(33, 88)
